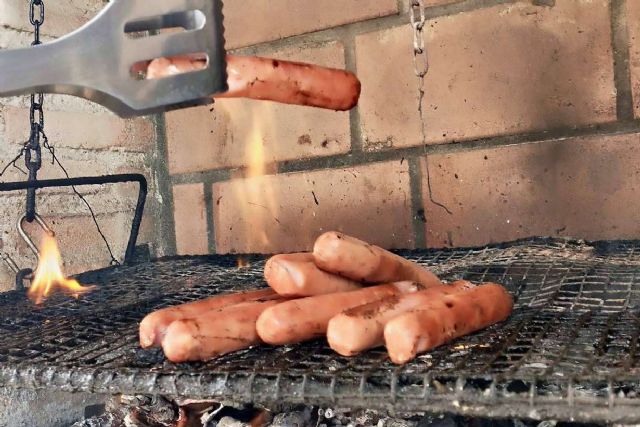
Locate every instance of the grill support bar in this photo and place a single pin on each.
(95, 180)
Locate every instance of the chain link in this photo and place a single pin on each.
(418, 21)
(36, 4)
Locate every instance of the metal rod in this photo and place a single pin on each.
(95, 180)
(10, 262)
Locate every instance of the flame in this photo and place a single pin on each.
(242, 263)
(256, 192)
(48, 276)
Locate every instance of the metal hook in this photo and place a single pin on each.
(26, 237)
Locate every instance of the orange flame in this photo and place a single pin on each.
(49, 277)
(257, 193)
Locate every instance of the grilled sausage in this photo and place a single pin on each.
(274, 80)
(215, 332)
(307, 318)
(361, 328)
(356, 260)
(297, 275)
(153, 327)
(445, 319)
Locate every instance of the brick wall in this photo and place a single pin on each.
(531, 129)
(89, 141)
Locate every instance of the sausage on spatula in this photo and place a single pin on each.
(274, 80)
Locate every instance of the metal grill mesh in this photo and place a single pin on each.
(569, 350)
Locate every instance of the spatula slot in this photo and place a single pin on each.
(168, 67)
(188, 20)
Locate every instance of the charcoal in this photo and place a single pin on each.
(392, 422)
(104, 420)
(293, 419)
(230, 422)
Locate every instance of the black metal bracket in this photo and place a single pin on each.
(96, 180)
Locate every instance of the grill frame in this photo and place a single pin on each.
(582, 287)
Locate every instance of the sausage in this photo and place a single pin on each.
(362, 328)
(154, 325)
(445, 319)
(215, 332)
(307, 318)
(356, 260)
(274, 80)
(296, 275)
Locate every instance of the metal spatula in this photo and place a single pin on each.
(96, 61)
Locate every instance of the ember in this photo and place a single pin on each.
(49, 276)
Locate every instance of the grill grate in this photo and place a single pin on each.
(568, 352)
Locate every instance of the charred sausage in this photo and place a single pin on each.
(154, 326)
(445, 319)
(307, 318)
(215, 333)
(356, 260)
(361, 328)
(294, 275)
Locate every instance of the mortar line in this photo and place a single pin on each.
(366, 26)
(621, 70)
(165, 230)
(208, 203)
(350, 159)
(357, 143)
(418, 213)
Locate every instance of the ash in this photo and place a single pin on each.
(156, 411)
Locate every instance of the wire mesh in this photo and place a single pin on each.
(570, 350)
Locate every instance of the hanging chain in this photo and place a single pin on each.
(32, 149)
(421, 68)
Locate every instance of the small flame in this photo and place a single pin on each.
(242, 263)
(49, 277)
(256, 193)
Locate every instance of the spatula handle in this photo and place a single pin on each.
(30, 70)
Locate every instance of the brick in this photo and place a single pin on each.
(485, 77)
(255, 21)
(285, 213)
(633, 23)
(239, 131)
(83, 130)
(439, 2)
(61, 16)
(190, 219)
(430, 3)
(581, 187)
